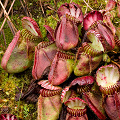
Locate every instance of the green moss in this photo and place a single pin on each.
(9, 84)
(8, 35)
(17, 5)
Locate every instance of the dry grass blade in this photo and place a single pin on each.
(87, 5)
(25, 2)
(11, 28)
(86, 8)
(5, 4)
(42, 7)
(7, 13)
(51, 8)
(55, 4)
(4, 39)
(54, 18)
(24, 8)
(70, 1)
(115, 63)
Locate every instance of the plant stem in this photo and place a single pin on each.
(87, 4)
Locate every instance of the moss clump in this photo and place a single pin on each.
(9, 84)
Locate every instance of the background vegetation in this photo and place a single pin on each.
(43, 12)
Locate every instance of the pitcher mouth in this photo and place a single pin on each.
(111, 89)
(76, 112)
(49, 93)
(107, 77)
(76, 106)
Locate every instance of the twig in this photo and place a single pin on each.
(51, 8)
(115, 63)
(5, 4)
(70, 1)
(8, 14)
(86, 8)
(24, 8)
(12, 13)
(114, 52)
(27, 8)
(11, 28)
(55, 4)
(24, 1)
(54, 18)
(4, 39)
(42, 7)
(87, 4)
